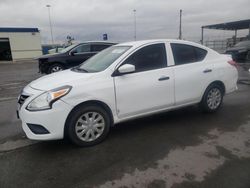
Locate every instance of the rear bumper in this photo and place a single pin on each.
(231, 81)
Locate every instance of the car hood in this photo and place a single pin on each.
(59, 79)
(50, 55)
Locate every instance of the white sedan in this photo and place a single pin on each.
(123, 82)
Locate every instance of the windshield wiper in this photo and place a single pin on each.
(79, 69)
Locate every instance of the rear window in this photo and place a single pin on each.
(184, 54)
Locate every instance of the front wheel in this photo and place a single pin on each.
(212, 98)
(88, 125)
(55, 68)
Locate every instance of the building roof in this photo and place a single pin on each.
(237, 25)
(18, 29)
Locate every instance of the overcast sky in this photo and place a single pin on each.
(89, 19)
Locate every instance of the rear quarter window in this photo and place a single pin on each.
(184, 54)
(200, 53)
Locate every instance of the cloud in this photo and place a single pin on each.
(89, 19)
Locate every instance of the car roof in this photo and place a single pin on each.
(145, 42)
(101, 42)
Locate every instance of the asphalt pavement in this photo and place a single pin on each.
(181, 149)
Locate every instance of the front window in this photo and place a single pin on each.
(148, 58)
(103, 60)
(68, 48)
(84, 48)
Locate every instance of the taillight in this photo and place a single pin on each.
(233, 63)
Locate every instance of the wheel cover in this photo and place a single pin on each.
(56, 69)
(214, 98)
(90, 126)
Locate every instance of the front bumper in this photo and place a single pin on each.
(42, 66)
(53, 120)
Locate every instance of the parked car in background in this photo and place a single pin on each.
(240, 52)
(123, 82)
(56, 50)
(70, 57)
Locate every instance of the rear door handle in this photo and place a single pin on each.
(163, 78)
(207, 70)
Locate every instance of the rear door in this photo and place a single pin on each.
(150, 87)
(192, 72)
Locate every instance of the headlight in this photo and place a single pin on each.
(45, 100)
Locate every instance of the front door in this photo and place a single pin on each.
(79, 54)
(150, 87)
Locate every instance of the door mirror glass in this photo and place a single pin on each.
(127, 68)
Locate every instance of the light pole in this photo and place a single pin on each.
(134, 24)
(51, 32)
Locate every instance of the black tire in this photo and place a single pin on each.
(71, 124)
(206, 105)
(55, 68)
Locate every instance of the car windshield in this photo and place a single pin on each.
(243, 44)
(68, 48)
(104, 59)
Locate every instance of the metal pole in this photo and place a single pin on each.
(202, 34)
(235, 36)
(180, 28)
(249, 32)
(135, 24)
(51, 32)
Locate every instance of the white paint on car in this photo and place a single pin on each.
(131, 95)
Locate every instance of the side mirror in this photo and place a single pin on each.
(72, 53)
(127, 68)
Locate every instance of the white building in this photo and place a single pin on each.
(19, 43)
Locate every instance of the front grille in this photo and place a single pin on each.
(22, 99)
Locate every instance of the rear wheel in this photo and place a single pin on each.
(212, 98)
(88, 125)
(55, 68)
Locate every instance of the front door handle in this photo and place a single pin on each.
(163, 78)
(207, 70)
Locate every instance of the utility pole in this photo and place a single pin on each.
(135, 24)
(180, 28)
(202, 35)
(52, 39)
